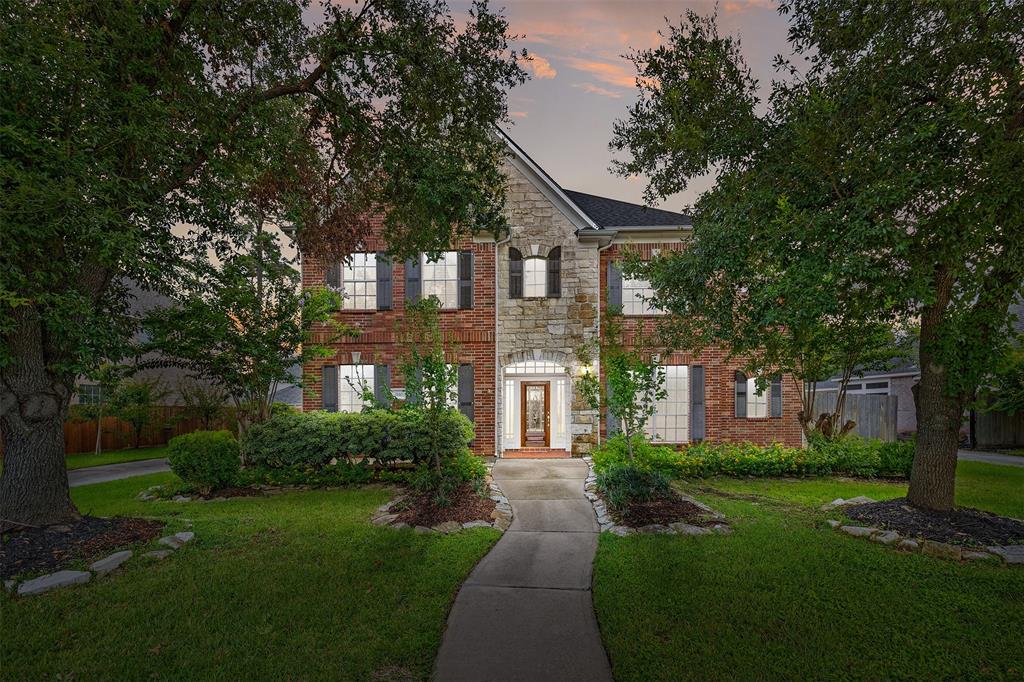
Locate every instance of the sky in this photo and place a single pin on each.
(580, 82)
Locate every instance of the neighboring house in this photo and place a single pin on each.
(517, 310)
(290, 394)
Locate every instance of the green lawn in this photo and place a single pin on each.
(296, 586)
(115, 457)
(785, 598)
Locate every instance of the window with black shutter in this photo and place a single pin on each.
(412, 279)
(466, 390)
(329, 388)
(741, 394)
(465, 279)
(555, 272)
(776, 396)
(515, 273)
(383, 281)
(614, 285)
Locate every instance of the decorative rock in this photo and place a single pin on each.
(447, 527)
(476, 524)
(384, 519)
(681, 528)
(721, 528)
(840, 502)
(652, 529)
(58, 528)
(832, 523)
(502, 523)
(941, 550)
(621, 531)
(400, 524)
(177, 540)
(52, 581)
(908, 545)
(886, 537)
(423, 529)
(858, 531)
(974, 555)
(181, 498)
(111, 563)
(159, 554)
(1011, 554)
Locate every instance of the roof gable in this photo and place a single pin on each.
(614, 213)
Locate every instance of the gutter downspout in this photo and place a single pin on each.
(600, 250)
(497, 369)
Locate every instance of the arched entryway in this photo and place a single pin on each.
(536, 401)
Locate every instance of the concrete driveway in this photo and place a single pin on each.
(525, 612)
(990, 457)
(113, 472)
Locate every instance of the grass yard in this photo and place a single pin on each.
(296, 586)
(785, 598)
(90, 459)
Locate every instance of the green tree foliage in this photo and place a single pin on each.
(120, 121)
(242, 323)
(135, 401)
(108, 377)
(880, 185)
(634, 380)
(203, 402)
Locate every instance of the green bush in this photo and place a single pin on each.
(205, 460)
(455, 472)
(624, 485)
(338, 474)
(314, 439)
(851, 455)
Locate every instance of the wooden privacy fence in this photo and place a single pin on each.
(875, 415)
(999, 429)
(169, 421)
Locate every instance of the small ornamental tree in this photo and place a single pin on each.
(203, 402)
(881, 184)
(634, 380)
(108, 377)
(135, 402)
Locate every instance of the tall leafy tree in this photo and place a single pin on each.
(880, 185)
(120, 120)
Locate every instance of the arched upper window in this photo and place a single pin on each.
(535, 276)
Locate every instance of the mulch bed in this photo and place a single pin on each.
(36, 550)
(662, 510)
(962, 526)
(467, 505)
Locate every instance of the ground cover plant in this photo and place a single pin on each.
(303, 579)
(784, 597)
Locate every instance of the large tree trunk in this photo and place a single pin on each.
(33, 406)
(933, 475)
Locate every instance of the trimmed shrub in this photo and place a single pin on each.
(851, 455)
(205, 460)
(627, 485)
(314, 439)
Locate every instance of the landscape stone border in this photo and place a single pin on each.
(1009, 554)
(604, 518)
(501, 517)
(100, 568)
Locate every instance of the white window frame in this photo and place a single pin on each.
(636, 295)
(671, 420)
(359, 282)
(757, 403)
(535, 277)
(350, 378)
(440, 278)
(90, 397)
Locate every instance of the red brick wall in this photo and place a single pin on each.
(719, 373)
(469, 332)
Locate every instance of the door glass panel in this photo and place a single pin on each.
(535, 408)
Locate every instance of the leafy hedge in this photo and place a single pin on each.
(312, 440)
(206, 460)
(851, 455)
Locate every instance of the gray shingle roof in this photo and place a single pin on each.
(614, 213)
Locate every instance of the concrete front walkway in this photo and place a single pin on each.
(113, 472)
(525, 612)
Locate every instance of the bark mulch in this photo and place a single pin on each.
(663, 510)
(466, 505)
(36, 550)
(962, 526)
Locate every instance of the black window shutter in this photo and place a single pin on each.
(412, 279)
(333, 275)
(381, 382)
(697, 410)
(515, 273)
(465, 279)
(383, 281)
(776, 396)
(555, 272)
(612, 420)
(415, 397)
(741, 394)
(466, 390)
(329, 388)
(614, 284)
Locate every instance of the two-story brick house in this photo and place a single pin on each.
(516, 310)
